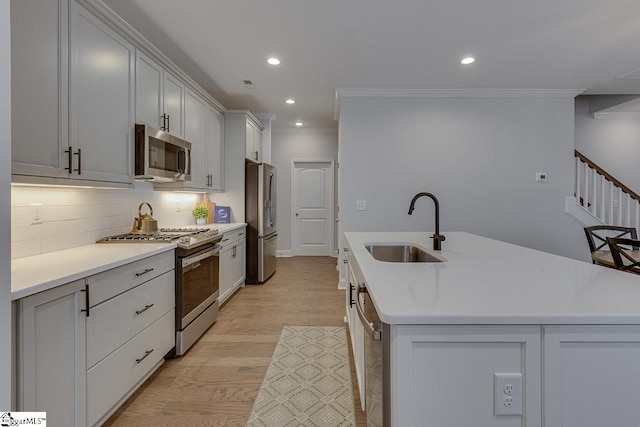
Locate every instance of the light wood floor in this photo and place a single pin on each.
(216, 382)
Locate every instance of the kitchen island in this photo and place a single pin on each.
(565, 333)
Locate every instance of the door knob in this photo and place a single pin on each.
(297, 214)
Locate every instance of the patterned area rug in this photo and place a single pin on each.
(308, 382)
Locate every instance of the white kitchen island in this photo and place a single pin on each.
(569, 330)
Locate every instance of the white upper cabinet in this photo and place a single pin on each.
(215, 148)
(196, 134)
(173, 105)
(39, 86)
(72, 96)
(101, 99)
(160, 96)
(149, 80)
(253, 141)
(204, 129)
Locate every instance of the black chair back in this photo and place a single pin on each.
(625, 253)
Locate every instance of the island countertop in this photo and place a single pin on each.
(485, 281)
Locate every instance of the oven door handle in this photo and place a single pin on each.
(199, 257)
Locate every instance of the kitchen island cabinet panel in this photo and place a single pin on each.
(592, 375)
(51, 354)
(446, 374)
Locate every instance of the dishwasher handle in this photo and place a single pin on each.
(374, 330)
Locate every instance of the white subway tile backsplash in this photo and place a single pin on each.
(25, 248)
(24, 196)
(76, 217)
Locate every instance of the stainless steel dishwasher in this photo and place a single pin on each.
(376, 362)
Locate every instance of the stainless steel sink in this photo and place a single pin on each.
(400, 253)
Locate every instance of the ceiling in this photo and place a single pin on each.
(401, 44)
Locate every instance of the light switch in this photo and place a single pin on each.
(541, 177)
(361, 205)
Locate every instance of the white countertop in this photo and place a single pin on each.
(485, 281)
(39, 273)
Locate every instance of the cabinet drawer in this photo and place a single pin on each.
(233, 236)
(110, 283)
(116, 321)
(117, 374)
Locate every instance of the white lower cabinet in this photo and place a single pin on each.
(356, 329)
(232, 263)
(591, 376)
(109, 381)
(85, 346)
(445, 374)
(51, 362)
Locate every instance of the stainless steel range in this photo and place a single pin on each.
(197, 278)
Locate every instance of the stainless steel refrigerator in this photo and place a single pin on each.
(260, 215)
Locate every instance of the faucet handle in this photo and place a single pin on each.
(437, 241)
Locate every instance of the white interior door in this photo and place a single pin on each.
(312, 194)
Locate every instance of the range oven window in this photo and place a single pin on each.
(200, 273)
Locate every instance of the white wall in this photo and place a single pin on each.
(5, 211)
(297, 144)
(76, 217)
(479, 156)
(614, 144)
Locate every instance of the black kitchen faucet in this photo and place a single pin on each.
(437, 237)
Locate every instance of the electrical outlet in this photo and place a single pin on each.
(36, 213)
(541, 177)
(361, 205)
(507, 394)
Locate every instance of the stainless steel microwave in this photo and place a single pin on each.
(160, 156)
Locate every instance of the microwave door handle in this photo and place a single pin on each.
(179, 166)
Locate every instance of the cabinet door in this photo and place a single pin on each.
(174, 105)
(215, 148)
(239, 263)
(51, 351)
(250, 152)
(196, 133)
(39, 86)
(148, 91)
(257, 144)
(430, 364)
(226, 268)
(591, 376)
(102, 99)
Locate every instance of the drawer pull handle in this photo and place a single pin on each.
(146, 307)
(146, 353)
(240, 234)
(146, 270)
(224, 240)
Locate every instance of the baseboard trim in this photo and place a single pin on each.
(342, 284)
(284, 254)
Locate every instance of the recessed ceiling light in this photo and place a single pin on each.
(299, 123)
(468, 60)
(290, 101)
(273, 61)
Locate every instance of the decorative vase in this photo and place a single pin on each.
(201, 221)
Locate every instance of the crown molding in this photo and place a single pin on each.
(457, 93)
(317, 131)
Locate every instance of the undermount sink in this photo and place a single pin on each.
(400, 252)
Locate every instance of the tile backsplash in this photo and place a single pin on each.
(74, 217)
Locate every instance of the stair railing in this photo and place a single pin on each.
(603, 196)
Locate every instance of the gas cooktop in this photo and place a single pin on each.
(185, 238)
